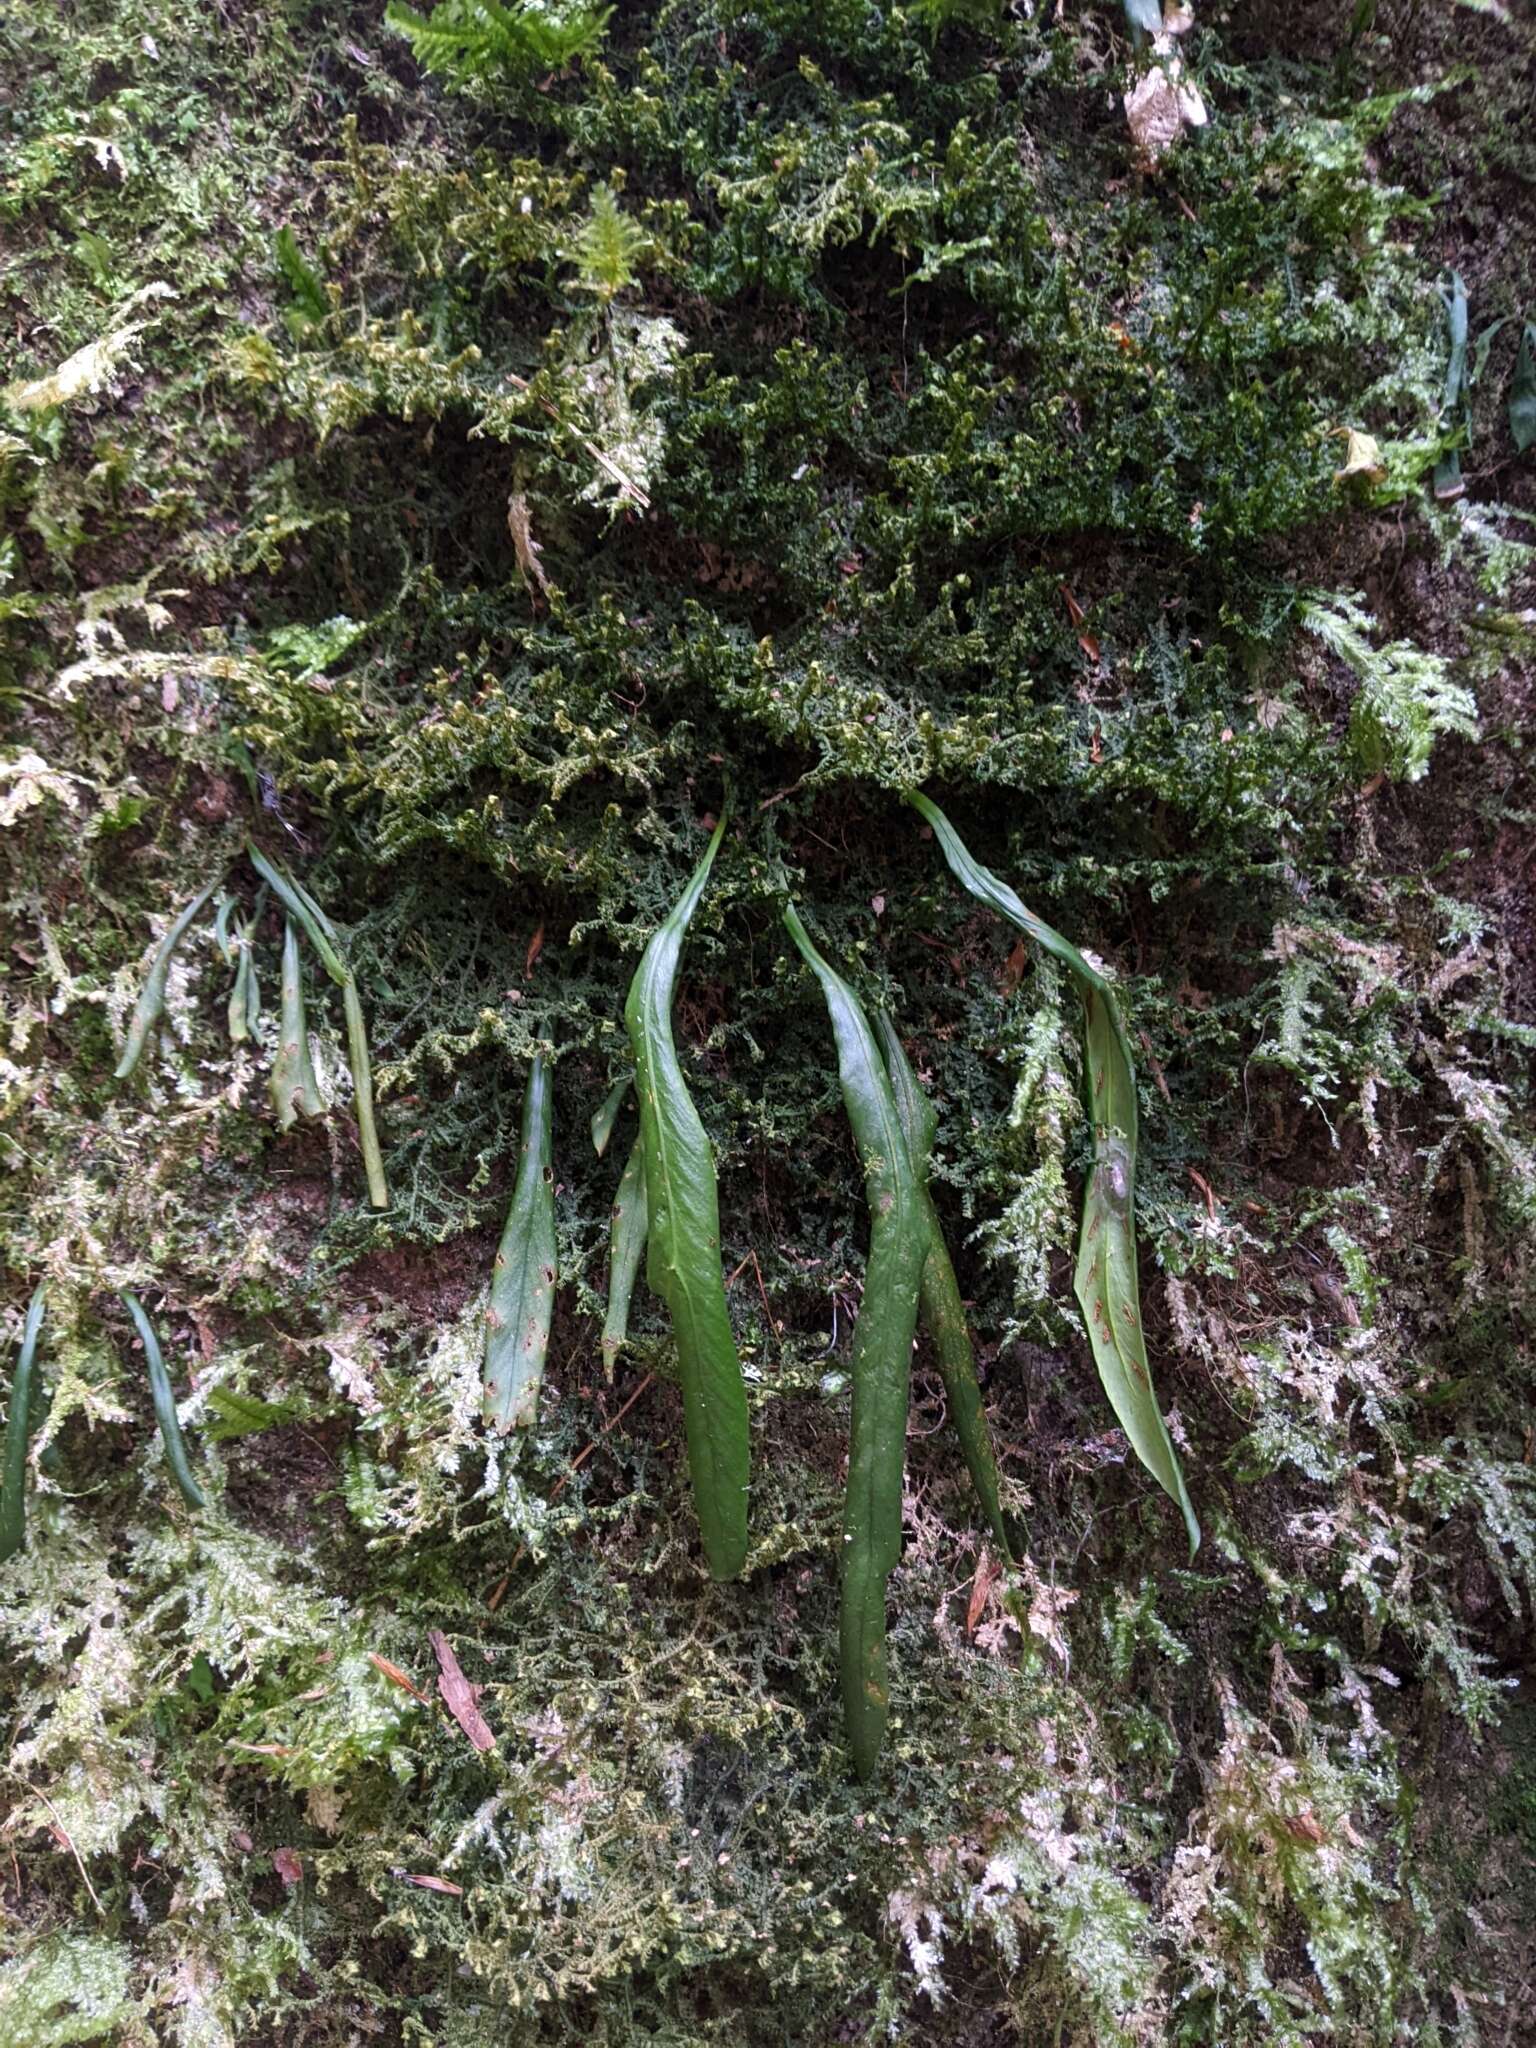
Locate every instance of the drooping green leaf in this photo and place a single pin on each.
(899, 1243)
(940, 1304)
(245, 996)
(323, 937)
(1448, 482)
(362, 1093)
(523, 1279)
(626, 1248)
(19, 1423)
(1106, 1278)
(295, 1091)
(152, 997)
(165, 1405)
(1522, 390)
(298, 902)
(683, 1262)
(607, 1114)
(223, 909)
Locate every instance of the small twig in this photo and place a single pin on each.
(1157, 1072)
(493, 1600)
(780, 794)
(624, 483)
(64, 1831)
(751, 1260)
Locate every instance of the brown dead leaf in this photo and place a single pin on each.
(459, 1696)
(287, 1864)
(429, 1883)
(535, 948)
(524, 546)
(1304, 1827)
(987, 1576)
(398, 1677)
(1013, 968)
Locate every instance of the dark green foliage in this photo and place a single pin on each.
(943, 1311)
(164, 1397)
(1522, 391)
(20, 1421)
(463, 598)
(882, 1357)
(523, 1275)
(683, 1240)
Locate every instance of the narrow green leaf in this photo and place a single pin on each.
(295, 1091)
(1522, 391)
(244, 997)
(323, 937)
(523, 1280)
(298, 902)
(942, 1310)
(882, 1357)
(222, 911)
(626, 1248)
(362, 1094)
(1106, 1280)
(683, 1263)
(152, 998)
(165, 1405)
(19, 1423)
(1447, 482)
(608, 1114)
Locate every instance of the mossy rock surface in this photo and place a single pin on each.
(467, 465)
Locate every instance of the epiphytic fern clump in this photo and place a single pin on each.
(294, 1085)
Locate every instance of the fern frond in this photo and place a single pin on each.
(311, 306)
(1407, 698)
(609, 247)
(474, 42)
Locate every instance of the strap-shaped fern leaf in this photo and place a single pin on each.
(1106, 1280)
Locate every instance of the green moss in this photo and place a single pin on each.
(805, 402)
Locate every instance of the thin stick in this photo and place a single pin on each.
(494, 1599)
(69, 1840)
(624, 483)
